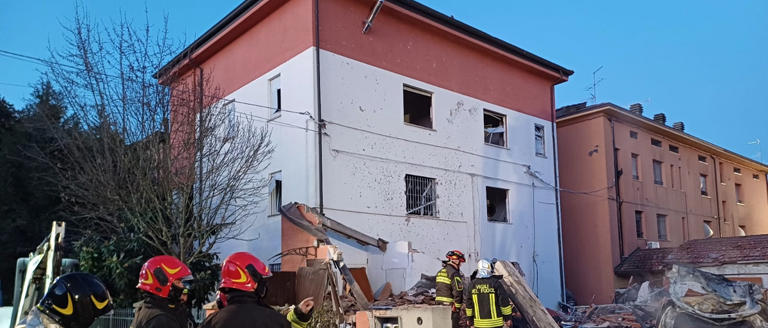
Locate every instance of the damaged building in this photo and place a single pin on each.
(400, 122)
(633, 182)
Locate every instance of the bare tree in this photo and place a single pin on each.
(172, 163)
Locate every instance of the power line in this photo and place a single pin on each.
(16, 85)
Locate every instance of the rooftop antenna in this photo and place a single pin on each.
(593, 88)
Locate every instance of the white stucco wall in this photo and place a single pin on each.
(742, 270)
(368, 150)
(295, 142)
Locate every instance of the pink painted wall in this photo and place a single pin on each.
(408, 45)
(589, 262)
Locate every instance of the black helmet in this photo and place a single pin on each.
(75, 300)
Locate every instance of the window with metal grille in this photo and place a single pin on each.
(539, 132)
(274, 267)
(420, 195)
(495, 128)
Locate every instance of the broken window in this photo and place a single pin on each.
(656, 142)
(417, 107)
(739, 196)
(420, 195)
(639, 226)
(495, 127)
(661, 226)
(275, 193)
(737, 170)
(708, 231)
(496, 204)
(539, 132)
(633, 134)
(635, 168)
(674, 149)
(275, 95)
(657, 179)
(703, 184)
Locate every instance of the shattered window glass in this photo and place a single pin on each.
(495, 127)
(420, 195)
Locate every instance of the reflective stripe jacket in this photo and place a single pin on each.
(488, 305)
(246, 310)
(450, 286)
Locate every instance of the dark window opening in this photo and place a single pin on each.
(275, 195)
(496, 204)
(656, 142)
(739, 196)
(639, 227)
(420, 195)
(736, 170)
(539, 138)
(495, 128)
(756, 176)
(702, 158)
(633, 134)
(674, 149)
(417, 105)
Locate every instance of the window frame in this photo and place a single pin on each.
(673, 149)
(422, 92)
(662, 218)
(275, 95)
(504, 126)
(639, 225)
(275, 192)
(738, 190)
(658, 179)
(633, 134)
(635, 163)
(703, 188)
(506, 203)
(654, 142)
(423, 204)
(543, 137)
(703, 159)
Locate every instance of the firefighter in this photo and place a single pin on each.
(450, 285)
(241, 298)
(74, 300)
(488, 305)
(163, 279)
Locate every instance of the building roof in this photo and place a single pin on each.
(719, 251)
(410, 5)
(644, 260)
(577, 110)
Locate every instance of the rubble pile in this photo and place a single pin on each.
(607, 315)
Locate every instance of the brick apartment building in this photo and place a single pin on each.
(629, 181)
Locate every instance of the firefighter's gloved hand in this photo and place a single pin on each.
(307, 305)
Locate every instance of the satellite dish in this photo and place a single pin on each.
(740, 232)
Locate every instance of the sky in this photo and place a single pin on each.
(702, 62)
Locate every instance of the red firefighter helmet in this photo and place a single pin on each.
(455, 255)
(243, 271)
(159, 272)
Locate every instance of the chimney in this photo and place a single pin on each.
(636, 109)
(660, 118)
(678, 126)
